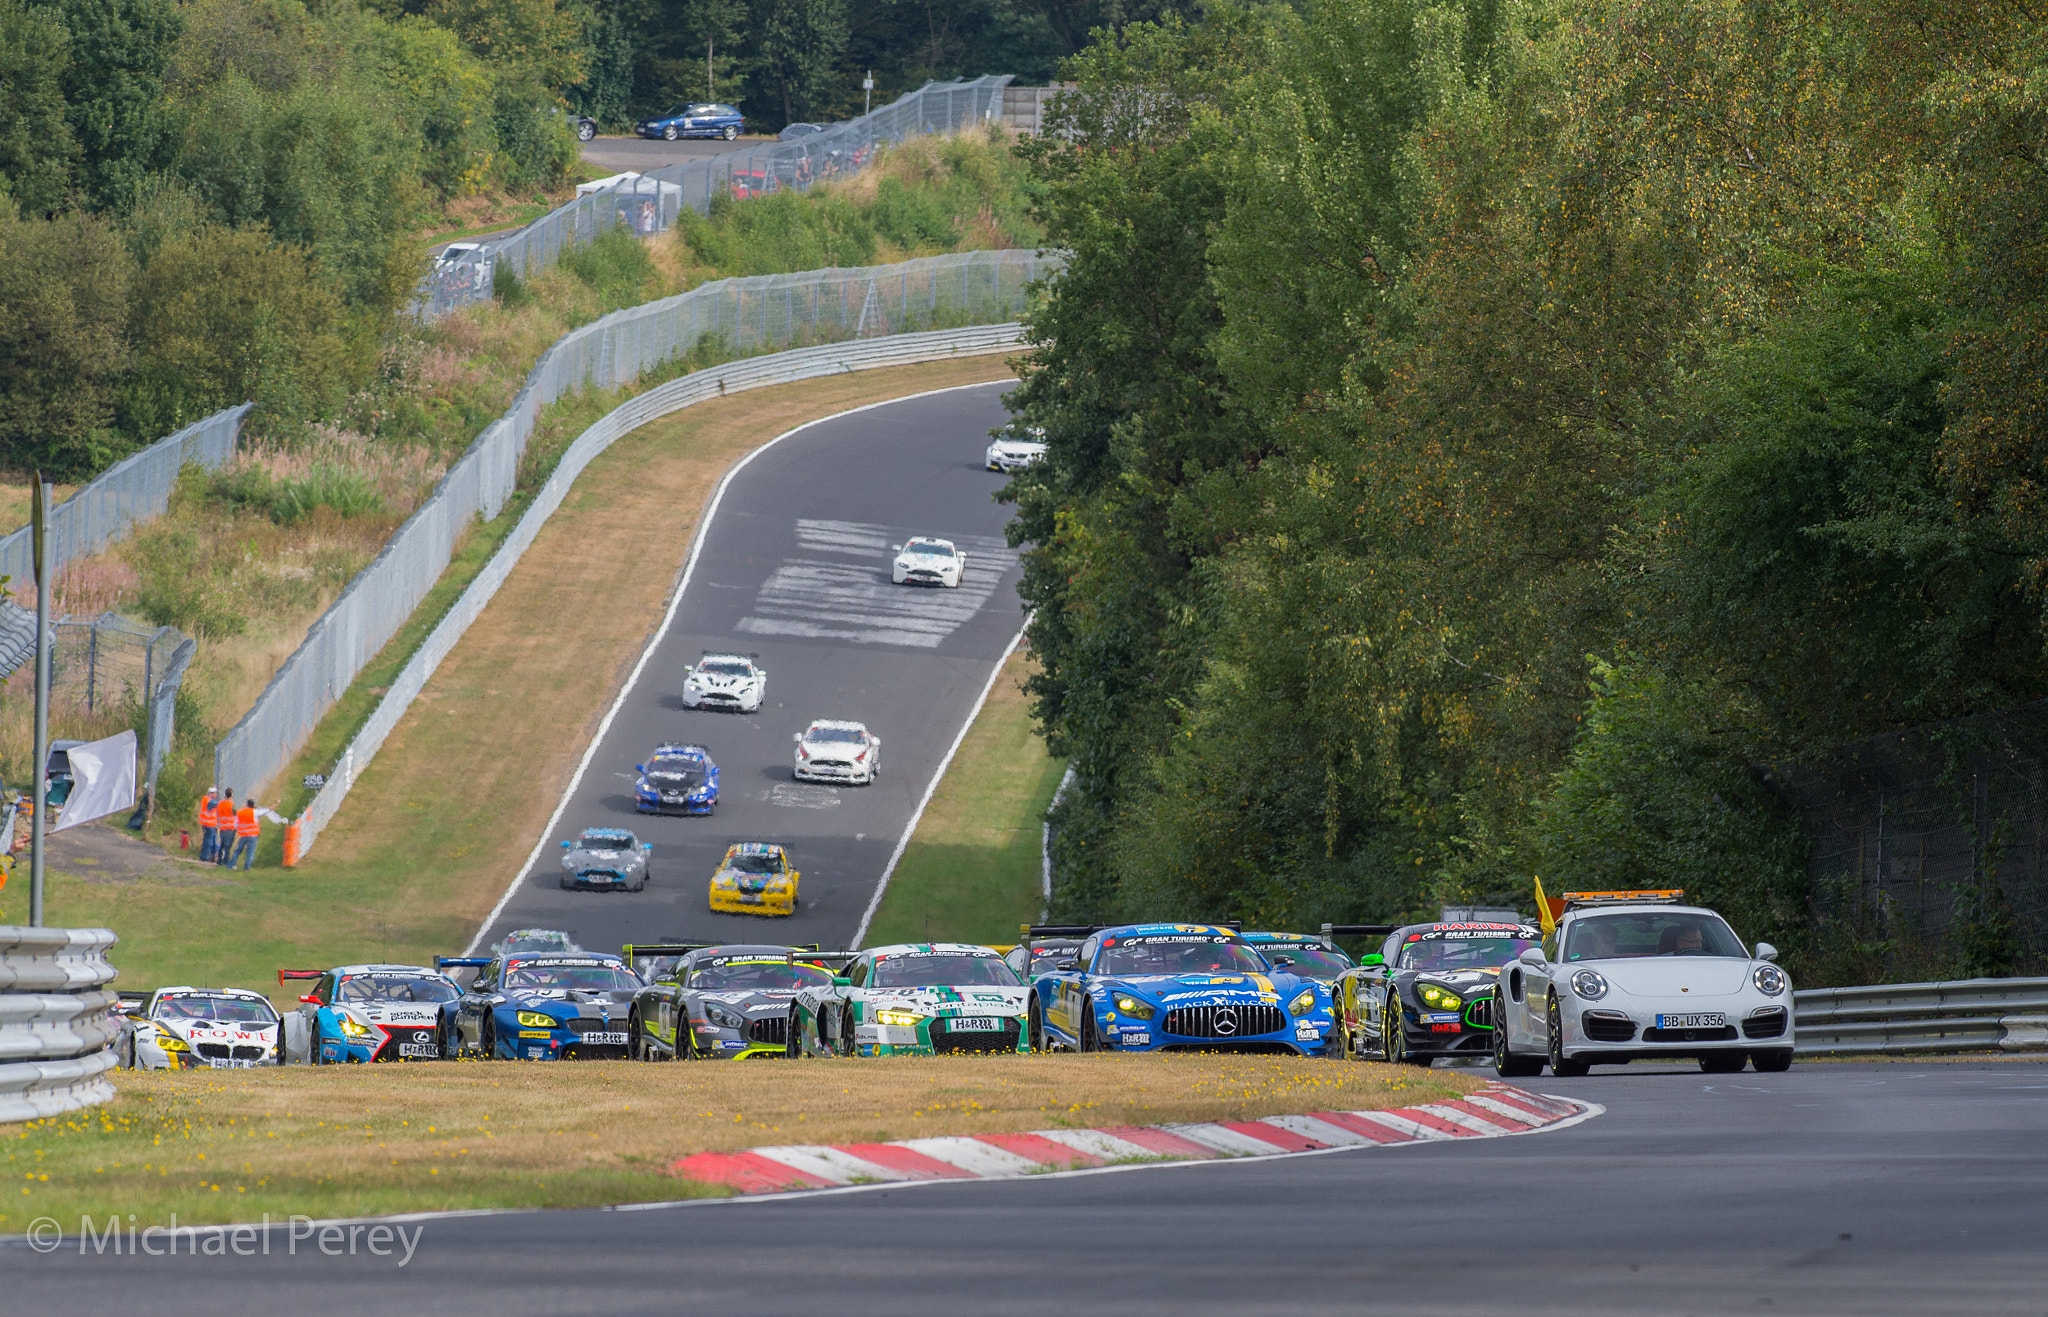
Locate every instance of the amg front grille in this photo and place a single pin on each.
(1766, 1023)
(1003, 1039)
(1724, 1034)
(773, 1030)
(223, 1052)
(1607, 1027)
(1223, 1023)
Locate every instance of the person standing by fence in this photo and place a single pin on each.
(248, 826)
(209, 825)
(224, 827)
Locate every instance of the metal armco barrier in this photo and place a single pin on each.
(1904, 1019)
(57, 1024)
(699, 386)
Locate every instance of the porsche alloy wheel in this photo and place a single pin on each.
(668, 134)
(1562, 1066)
(1505, 1063)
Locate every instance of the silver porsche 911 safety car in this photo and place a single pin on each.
(924, 560)
(833, 751)
(187, 1028)
(607, 860)
(725, 681)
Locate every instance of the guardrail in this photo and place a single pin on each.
(698, 386)
(1909, 1019)
(57, 1024)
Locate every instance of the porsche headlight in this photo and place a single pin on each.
(535, 1020)
(1135, 1007)
(172, 1043)
(722, 1017)
(1304, 1003)
(904, 1019)
(351, 1028)
(1588, 984)
(1770, 980)
(1440, 999)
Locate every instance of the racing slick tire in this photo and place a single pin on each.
(1723, 1063)
(1089, 1042)
(1772, 1061)
(487, 1038)
(846, 1044)
(1036, 1024)
(639, 1046)
(668, 133)
(792, 1041)
(1394, 1038)
(1564, 1067)
(313, 1045)
(1506, 1063)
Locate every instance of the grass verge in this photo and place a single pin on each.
(220, 1146)
(973, 870)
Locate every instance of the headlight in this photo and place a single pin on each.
(725, 880)
(1770, 980)
(535, 1020)
(1304, 1003)
(900, 1018)
(722, 1017)
(355, 1029)
(1440, 999)
(171, 1044)
(1589, 985)
(1135, 1007)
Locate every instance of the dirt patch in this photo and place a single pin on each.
(97, 853)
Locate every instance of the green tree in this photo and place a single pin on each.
(113, 89)
(797, 47)
(64, 286)
(36, 144)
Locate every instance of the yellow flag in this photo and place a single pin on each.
(1543, 915)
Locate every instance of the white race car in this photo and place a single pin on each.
(186, 1028)
(725, 681)
(928, 561)
(1641, 975)
(833, 751)
(915, 999)
(1008, 454)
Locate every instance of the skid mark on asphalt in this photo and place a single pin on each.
(856, 602)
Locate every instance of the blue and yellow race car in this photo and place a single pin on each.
(1183, 987)
(545, 1006)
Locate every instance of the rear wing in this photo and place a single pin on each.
(130, 1003)
(461, 962)
(824, 959)
(1331, 932)
(635, 953)
(285, 976)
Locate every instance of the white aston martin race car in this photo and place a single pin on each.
(1641, 975)
(187, 1028)
(1013, 454)
(833, 751)
(725, 681)
(928, 561)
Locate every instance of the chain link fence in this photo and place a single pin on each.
(651, 202)
(746, 315)
(108, 664)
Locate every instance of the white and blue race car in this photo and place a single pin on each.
(367, 1013)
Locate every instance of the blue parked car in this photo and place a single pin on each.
(677, 778)
(696, 119)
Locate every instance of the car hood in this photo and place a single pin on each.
(399, 1014)
(576, 998)
(1017, 448)
(752, 882)
(1459, 980)
(1673, 976)
(720, 680)
(970, 1000)
(753, 999)
(581, 859)
(1201, 989)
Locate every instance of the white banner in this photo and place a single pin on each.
(102, 780)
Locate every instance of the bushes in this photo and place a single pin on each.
(535, 142)
(64, 286)
(616, 267)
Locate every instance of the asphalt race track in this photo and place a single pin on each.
(1851, 1189)
(795, 568)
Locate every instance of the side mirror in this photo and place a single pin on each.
(1069, 966)
(841, 981)
(798, 737)
(895, 548)
(1372, 960)
(1765, 951)
(647, 847)
(1281, 962)
(568, 845)
(1533, 958)
(639, 768)
(310, 1000)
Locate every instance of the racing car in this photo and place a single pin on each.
(1642, 975)
(606, 860)
(367, 1013)
(725, 681)
(833, 751)
(1302, 954)
(1029, 958)
(535, 939)
(716, 1001)
(540, 1006)
(1009, 453)
(187, 1028)
(1427, 992)
(755, 878)
(1201, 987)
(679, 778)
(913, 999)
(925, 560)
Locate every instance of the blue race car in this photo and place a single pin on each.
(1188, 987)
(367, 1013)
(545, 1006)
(677, 778)
(693, 119)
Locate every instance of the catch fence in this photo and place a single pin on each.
(109, 664)
(743, 315)
(652, 202)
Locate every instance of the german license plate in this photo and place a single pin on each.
(228, 1063)
(425, 1051)
(973, 1024)
(750, 898)
(616, 1039)
(1698, 1020)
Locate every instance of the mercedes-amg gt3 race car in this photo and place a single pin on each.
(1630, 976)
(926, 560)
(913, 999)
(755, 878)
(725, 681)
(1144, 987)
(677, 779)
(606, 860)
(830, 750)
(717, 1002)
(1427, 992)
(544, 1006)
(367, 1013)
(186, 1028)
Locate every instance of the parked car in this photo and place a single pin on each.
(793, 131)
(693, 119)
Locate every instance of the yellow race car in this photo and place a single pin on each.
(754, 878)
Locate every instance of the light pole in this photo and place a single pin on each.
(38, 824)
(867, 88)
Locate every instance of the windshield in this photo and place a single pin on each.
(850, 735)
(935, 550)
(676, 770)
(398, 987)
(606, 843)
(592, 976)
(1177, 953)
(724, 669)
(226, 1010)
(1462, 948)
(755, 863)
(744, 975)
(1650, 933)
(1310, 961)
(940, 969)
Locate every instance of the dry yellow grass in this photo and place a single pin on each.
(216, 1146)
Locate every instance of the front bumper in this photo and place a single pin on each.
(421, 1041)
(720, 700)
(1467, 1032)
(1141, 1036)
(188, 1061)
(925, 578)
(601, 881)
(1611, 1033)
(931, 1037)
(658, 805)
(824, 773)
(596, 1040)
(731, 901)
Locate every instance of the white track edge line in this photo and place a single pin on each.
(654, 642)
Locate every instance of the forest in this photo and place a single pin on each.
(1487, 435)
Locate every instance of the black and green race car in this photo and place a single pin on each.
(1428, 992)
(715, 1001)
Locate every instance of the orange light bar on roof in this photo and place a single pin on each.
(1664, 894)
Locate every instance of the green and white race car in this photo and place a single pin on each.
(914, 999)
